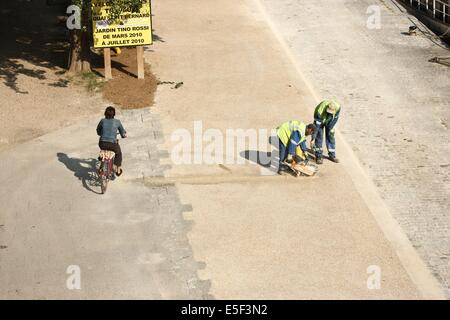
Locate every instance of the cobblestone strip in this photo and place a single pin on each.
(142, 159)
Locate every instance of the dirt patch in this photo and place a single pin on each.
(125, 89)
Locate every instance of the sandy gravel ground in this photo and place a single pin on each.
(44, 108)
(36, 97)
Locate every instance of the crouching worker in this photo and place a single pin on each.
(292, 142)
(107, 129)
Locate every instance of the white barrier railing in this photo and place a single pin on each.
(436, 8)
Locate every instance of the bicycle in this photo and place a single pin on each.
(106, 168)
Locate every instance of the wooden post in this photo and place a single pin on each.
(107, 56)
(140, 62)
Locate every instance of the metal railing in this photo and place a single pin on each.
(437, 9)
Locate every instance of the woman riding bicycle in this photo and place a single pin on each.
(107, 129)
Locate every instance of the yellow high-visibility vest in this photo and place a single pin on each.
(321, 110)
(285, 130)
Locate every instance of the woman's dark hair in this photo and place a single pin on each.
(110, 112)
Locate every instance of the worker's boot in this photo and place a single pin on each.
(333, 159)
(289, 158)
(283, 169)
(319, 160)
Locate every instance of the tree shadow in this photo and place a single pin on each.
(31, 32)
(58, 2)
(83, 169)
(61, 83)
(10, 71)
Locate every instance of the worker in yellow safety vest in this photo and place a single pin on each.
(292, 142)
(326, 115)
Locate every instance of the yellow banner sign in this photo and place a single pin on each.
(130, 29)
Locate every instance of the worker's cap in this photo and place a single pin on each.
(332, 107)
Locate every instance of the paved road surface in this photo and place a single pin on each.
(396, 115)
(231, 234)
(246, 80)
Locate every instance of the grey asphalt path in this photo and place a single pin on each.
(226, 235)
(129, 243)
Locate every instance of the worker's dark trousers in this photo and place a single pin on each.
(104, 145)
(293, 142)
(330, 141)
(283, 151)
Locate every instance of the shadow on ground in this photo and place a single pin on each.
(265, 159)
(31, 32)
(84, 169)
(269, 160)
(97, 64)
(262, 158)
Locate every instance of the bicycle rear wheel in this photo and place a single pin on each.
(104, 183)
(104, 175)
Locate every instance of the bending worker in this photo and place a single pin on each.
(292, 141)
(326, 116)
